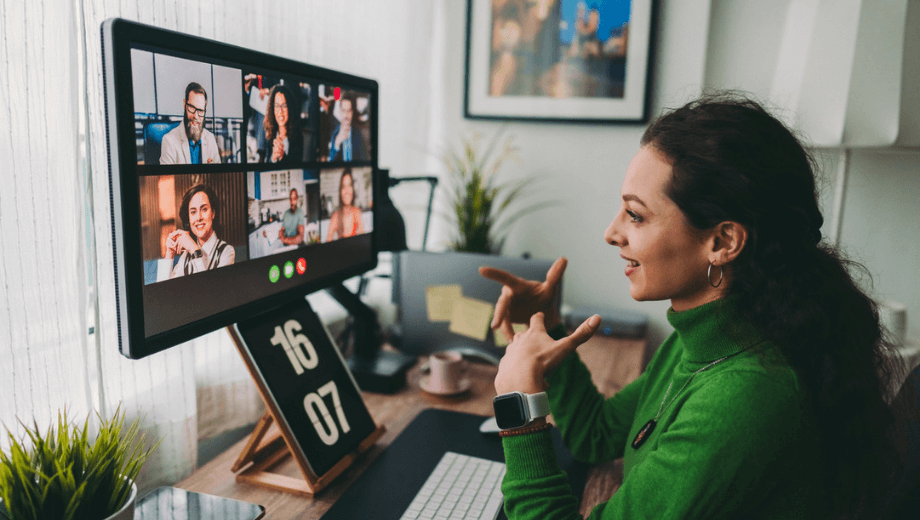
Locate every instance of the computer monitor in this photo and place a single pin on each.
(427, 287)
(240, 181)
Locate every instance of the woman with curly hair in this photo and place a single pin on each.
(769, 400)
(283, 135)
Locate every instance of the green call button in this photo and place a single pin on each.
(274, 274)
(288, 269)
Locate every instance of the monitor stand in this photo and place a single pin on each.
(375, 370)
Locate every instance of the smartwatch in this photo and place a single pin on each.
(197, 254)
(517, 409)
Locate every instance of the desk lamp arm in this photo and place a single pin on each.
(374, 370)
(433, 182)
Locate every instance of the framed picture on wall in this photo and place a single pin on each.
(558, 60)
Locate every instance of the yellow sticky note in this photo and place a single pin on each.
(500, 340)
(440, 300)
(471, 318)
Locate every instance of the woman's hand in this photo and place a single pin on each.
(277, 149)
(532, 354)
(521, 299)
(184, 241)
(174, 243)
(170, 246)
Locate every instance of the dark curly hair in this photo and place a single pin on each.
(733, 161)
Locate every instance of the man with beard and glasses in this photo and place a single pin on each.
(191, 143)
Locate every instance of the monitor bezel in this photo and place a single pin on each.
(118, 38)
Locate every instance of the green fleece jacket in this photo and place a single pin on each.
(739, 441)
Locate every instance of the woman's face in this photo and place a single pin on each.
(348, 190)
(666, 258)
(281, 109)
(200, 216)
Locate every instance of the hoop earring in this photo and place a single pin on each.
(709, 275)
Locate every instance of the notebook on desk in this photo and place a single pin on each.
(388, 486)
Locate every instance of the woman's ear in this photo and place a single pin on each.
(728, 241)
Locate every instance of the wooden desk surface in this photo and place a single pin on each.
(613, 362)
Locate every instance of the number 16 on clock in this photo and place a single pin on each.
(306, 385)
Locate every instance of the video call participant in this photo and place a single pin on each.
(283, 135)
(346, 220)
(291, 232)
(256, 125)
(191, 142)
(346, 142)
(197, 244)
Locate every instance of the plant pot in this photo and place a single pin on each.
(127, 511)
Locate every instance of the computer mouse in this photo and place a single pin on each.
(489, 426)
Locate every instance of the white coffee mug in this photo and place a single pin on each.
(446, 371)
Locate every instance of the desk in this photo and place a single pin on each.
(613, 362)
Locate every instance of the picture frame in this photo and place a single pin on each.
(572, 61)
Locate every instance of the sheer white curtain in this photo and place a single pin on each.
(43, 320)
(54, 200)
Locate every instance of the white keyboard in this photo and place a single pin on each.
(460, 488)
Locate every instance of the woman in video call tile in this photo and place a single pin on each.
(346, 142)
(283, 136)
(346, 220)
(199, 249)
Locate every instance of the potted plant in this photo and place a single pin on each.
(63, 475)
(482, 206)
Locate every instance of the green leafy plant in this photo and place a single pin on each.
(481, 206)
(61, 475)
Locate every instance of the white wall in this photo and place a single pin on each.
(881, 225)
(880, 218)
(699, 44)
(583, 166)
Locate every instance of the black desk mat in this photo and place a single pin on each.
(387, 487)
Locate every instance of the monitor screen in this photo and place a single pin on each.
(239, 180)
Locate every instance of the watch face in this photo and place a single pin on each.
(509, 411)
